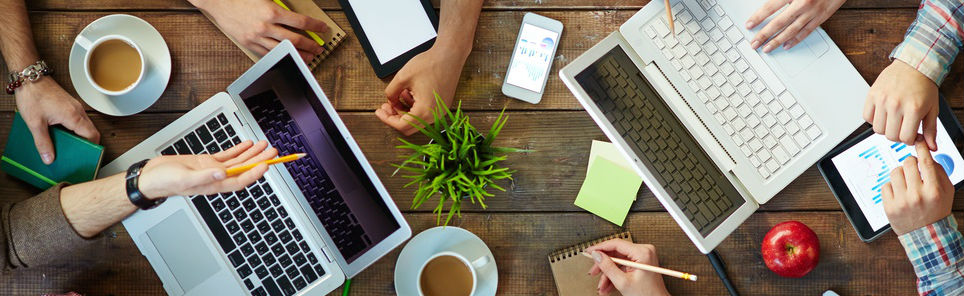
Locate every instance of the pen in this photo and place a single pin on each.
(237, 170)
(312, 34)
(717, 263)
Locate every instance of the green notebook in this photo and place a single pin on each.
(76, 159)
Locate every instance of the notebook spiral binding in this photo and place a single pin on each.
(571, 251)
(329, 47)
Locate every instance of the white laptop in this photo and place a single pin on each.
(715, 128)
(300, 230)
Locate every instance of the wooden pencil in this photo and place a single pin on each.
(650, 268)
(669, 17)
(237, 170)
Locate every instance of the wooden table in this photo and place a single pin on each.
(536, 215)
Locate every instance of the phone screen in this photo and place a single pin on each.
(532, 57)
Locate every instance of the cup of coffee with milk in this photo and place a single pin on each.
(450, 273)
(113, 64)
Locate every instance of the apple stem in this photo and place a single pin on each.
(789, 248)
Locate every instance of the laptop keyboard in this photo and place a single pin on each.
(327, 203)
(661, 141)
(735, 84)
(251, 226)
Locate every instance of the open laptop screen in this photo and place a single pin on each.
(330, 177)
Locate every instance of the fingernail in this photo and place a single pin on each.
(749, 25)
(768, 48)
(786, 46)
(755, 44)
(596, 257)
(220, 175)
(46, 157)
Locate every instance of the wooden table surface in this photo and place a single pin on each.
(536, 215)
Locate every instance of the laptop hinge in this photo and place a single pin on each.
(695, 124)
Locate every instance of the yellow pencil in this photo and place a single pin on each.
(310, 33)
(650, 268)
(237, 170)
(669, 16)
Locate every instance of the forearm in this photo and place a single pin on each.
(936, 253)
(457, 22)
(934, 39)
(16, 41)
(93, 206)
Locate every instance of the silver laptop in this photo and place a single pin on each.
(300, 230)
(715, 128)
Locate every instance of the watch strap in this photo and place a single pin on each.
(133, 190)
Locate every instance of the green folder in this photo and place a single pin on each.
(76, 159)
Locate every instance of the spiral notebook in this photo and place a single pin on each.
(332, 38)
(569, 268)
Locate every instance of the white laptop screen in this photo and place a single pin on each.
(330, 176)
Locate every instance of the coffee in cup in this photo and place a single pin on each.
(114, 64)
(449, 274)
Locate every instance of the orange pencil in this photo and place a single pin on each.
(237, 170)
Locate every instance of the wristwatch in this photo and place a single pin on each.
(134, 192)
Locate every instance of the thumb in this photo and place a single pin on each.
(609, 268)
(394, 91)
(41, 138)
(930, 130)
(204, 177)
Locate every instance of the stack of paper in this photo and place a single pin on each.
(610, 186)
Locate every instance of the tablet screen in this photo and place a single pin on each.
(393, 27)
(866, 167)
(533, 56)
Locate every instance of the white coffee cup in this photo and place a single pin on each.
(472, 265)
(89, 46)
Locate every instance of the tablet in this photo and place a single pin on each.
(392, 32)
(858, 169)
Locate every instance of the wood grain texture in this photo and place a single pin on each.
(205, 61)
(548, 179)
(847, 265)
(487, 5)
(536, 215)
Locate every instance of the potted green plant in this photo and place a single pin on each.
(458, 163)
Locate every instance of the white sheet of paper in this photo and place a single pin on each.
(393, 27)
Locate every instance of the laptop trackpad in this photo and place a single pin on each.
(795, 60)
(179, 244)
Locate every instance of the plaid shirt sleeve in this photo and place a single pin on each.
(934, 39)
(936, 252)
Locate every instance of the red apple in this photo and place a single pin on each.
(791, 249)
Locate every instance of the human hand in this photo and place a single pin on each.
(918, 194)
(204, 174)
(629, 281)
(259, 25)
(412, 89)
(43, 103)
(797, 21)
(899, 100)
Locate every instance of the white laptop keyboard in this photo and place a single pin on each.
(735, 84)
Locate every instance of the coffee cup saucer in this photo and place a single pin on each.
(442, 238)
(156, 55)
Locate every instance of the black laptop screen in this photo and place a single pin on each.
(330, 176)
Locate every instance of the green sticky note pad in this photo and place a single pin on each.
(609, 190)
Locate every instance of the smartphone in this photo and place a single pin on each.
(535, 48)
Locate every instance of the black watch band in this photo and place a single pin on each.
(134, 192)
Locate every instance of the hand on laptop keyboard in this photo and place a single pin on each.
(792, 25)
(204, 173)
(899, 100)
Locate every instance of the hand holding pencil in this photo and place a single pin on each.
(629, 281)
